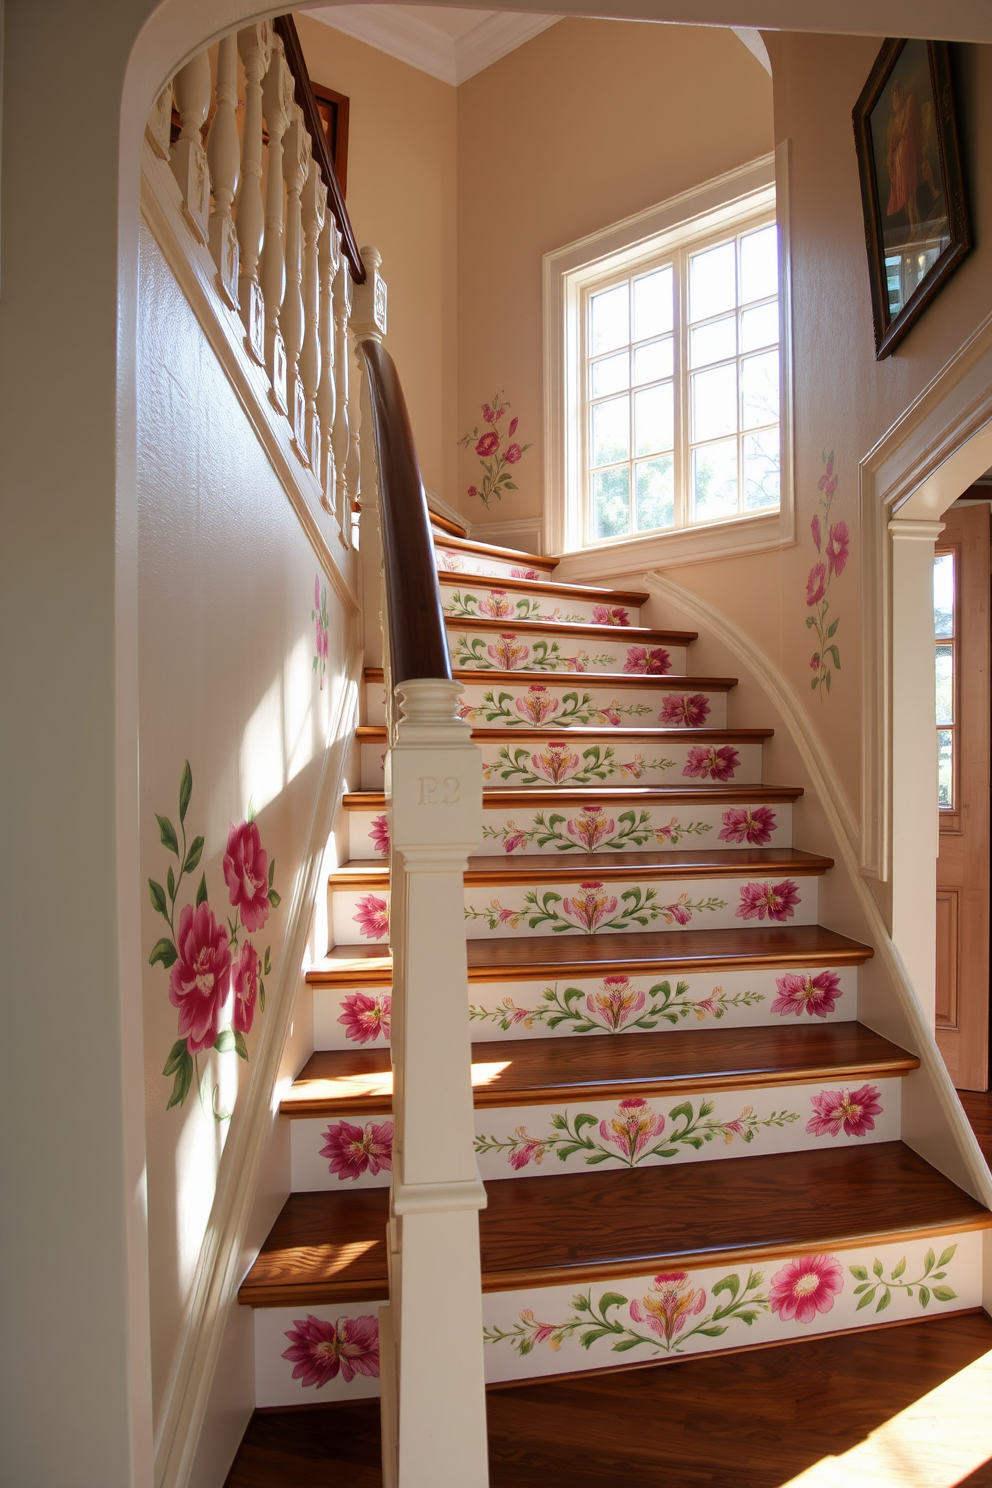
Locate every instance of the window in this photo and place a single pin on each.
(664, 355)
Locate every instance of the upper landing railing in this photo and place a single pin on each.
(286, 261)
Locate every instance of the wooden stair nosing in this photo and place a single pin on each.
(618, 598)
(547, 1070)
(764, 862)
(490, 550)
(611, 796)
(330, 1247)
(581, 679)
(631, 633)
(376, 733)
(654, 952)
(453, 529)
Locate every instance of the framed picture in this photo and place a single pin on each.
(916, 217)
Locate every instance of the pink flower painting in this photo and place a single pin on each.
(616, 1001)
(589, 906)
(838, 547)
(372, 917)
(610, 615)
(669, 1304)
(524, 573)
(497, 461)
(507, 653)
(496, 605)
(814, 995)
(201, 976)
(854, 1111)
(832, 541)
(526, 1149)
(537, 704)
(816, 584)
(322, 622)
(354, 1150)
(365, 1018)
(591, 827)
(679, 913)
(683, 710)
(320, 1351)
(752, 824)
(652, 663)
(631, 1127)
(805, 1287)
(555, 762)
(380, 834)
(244, 980)
(763, 901)
(246, 870)
(711, 763)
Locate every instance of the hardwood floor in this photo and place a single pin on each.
(746, 1420)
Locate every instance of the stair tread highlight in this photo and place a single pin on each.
(614, 796)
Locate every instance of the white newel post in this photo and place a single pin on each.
(191, 88)
(277, 100)
(224, 159)
(296, 164)
(314, 211)
(329, 263)
(255, 46)
(434, 778)
(341, 433)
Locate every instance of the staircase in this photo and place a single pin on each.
(690, 1143)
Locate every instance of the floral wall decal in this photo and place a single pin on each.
(815, 995)
(206, 960)
(497, 458)
(854, 1111)
(365, 1017)
(867, 1288)
(592, 908)
(559, 763)
(683, 710)
(618, 1005)
(372, 917)
(320, 1350)
(354, 1150)
(763, 901)
(322, 621)
(590, 830)
(805, 1287)
(832, 542)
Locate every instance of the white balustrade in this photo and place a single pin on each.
(341, 433)
(329, 264)
(191, 88)
(255, 46)
(314, 215)
(224, 160)
(296, 167)
(277, 100)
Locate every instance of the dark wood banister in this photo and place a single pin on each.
(418, 645)
(285, 27)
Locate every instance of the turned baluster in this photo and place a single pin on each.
(255, 46)
(224, 160)
(187, 157)
(329, 263)
(296, 162)
(157, 129)
(368, 321)
(277, 100)
(314, 212)
(342, 434)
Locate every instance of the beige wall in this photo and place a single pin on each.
(586, 124)
(401, 199)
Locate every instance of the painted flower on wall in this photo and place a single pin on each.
(322, 621)
(365, 1018)
(555, 762)
(852, 1110)
(683, 710)
(507, 653)
(713, 763)
(498, 457)
(631, 1127)
(610, 615)
(832, 541)
(380, 834)
(354, 1150)
(537, 705)
(208, 961)
(752, 824)
(616, 1001)
(320, 1351)
(763, 901)
(805, 1287)
(814, 995)
(589, 905)
(669, 1303)
(372, 917)
(652, 662)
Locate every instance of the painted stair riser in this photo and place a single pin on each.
(727, 902)
(570, 703)
(509, 651)
(540, 1140)
(642, 1318)
(576, 830)
(468, 601)
(609, 1004)
(581, 760)
(476, 565)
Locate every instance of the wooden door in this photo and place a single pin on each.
(961, 627)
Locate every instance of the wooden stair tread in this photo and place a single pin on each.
(516, 1072)
(503, 584)
(651, 952)
(490, 550)
(572, 1228)
(542, 868)
(613, 797)
(629, 633)
(376, 733)
(454, 529)
(581, 679)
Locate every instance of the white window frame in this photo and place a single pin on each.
(719, 205)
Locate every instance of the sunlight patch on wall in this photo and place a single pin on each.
(263, 766)
(297, 706)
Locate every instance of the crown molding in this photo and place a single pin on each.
(398, 31)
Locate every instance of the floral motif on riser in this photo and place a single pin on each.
(574, 704)
(334, 1354)
(453, 561)
(478, 601)
(539, 1141)
(595, 907)
(576, 830)
(651, 1317)
(511, 651)
(609, 1005)
(583, 761)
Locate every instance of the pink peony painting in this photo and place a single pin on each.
(354, 1150)
(832, 541)
(246, 867)
(366, 1018)
(805, 1287)
(320, 1351)
(200, 978)
(497, 458)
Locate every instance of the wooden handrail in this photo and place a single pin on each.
(418, 644)
(285, 27)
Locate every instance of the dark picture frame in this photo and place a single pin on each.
(334, 109)
(917, 227)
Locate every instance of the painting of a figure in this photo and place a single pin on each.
(911, 175)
